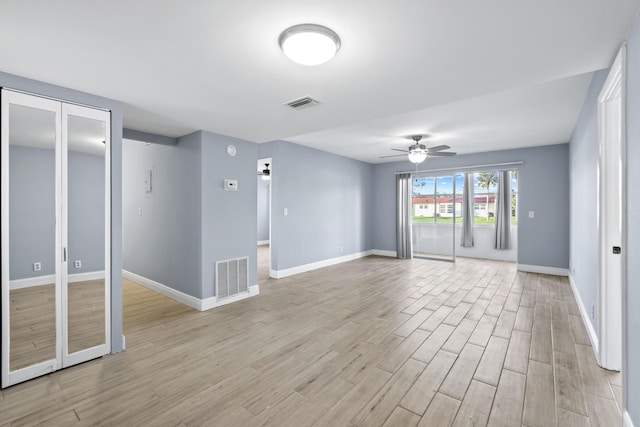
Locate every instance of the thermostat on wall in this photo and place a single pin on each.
(231, 184)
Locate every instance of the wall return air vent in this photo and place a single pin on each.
(304, 102)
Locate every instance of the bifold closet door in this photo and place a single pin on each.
(85, 223)
(31, 239)
(55, 235)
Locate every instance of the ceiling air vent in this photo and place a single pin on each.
(304, 102)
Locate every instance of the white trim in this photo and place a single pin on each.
(213, 302)
(626, 419)
(165, 290)
(279, 274)
(89, 275)
(32, 281)
(263, 242)
(541, 269)
(181, 297)
(51, 279)
(584, 313)
(380, 252)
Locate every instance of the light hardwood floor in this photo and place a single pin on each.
(32, 319)
(376, 341)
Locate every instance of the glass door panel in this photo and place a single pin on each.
(85, 287)
(433, 225)
(30, 259)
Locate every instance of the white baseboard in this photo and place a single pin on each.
(380, 252)
(213, 302)
(555, 271)
(32, 281)
(263, 242)
(591, 332)
(82, 277)
(626, 420)
(51, 278)
(186, 299)
(279, 274)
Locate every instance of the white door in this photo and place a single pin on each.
(611, 219)
(55, 205)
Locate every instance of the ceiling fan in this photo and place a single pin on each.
(266, 172)
(417, 152)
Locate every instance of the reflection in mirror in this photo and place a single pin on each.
(32, 239)
(86, 233)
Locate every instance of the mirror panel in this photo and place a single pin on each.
(32, 236)
(86, 292)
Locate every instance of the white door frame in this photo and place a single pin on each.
(612, 215)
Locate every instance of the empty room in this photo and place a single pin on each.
(286, 213)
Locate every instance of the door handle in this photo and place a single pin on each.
(64, 254)
(617, 250)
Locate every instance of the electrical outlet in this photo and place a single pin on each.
(37, 266)
(139, 211)
(77, 263)
(593, 311)
(341, 249)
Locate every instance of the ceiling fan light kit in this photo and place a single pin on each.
(309, 44)
(417, 153)
(266, 173)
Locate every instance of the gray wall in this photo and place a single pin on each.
(329, 199)
(228, 217)
(583, 170)
(263, 209)
(86, 208)
(32, 204)
(115, 107)
(163, 244)
(189, 221)
(632, 374)
(32, 211)
(543, 187)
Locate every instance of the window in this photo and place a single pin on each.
(485, 187)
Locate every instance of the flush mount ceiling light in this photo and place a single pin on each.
(309, 44)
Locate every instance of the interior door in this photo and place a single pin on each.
(85, 219)
(31, 237)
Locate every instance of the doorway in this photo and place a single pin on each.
(265, 168)
(611, 214)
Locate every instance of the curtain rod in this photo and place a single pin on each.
(461, 168)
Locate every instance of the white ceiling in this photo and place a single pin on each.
(404, 66)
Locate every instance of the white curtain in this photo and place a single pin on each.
(503, 211)
(403, 216)
(467, 212)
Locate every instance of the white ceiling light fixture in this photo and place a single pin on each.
(309, 44)
(417, 153)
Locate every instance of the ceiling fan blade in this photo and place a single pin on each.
(437, 148)
(395, 155)
(397, 149)
(441, 153)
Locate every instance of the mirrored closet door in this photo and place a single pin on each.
(55, 235)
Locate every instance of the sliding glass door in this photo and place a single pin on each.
(436, 209)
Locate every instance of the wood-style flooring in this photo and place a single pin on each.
(373, 342)
(33, 321)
